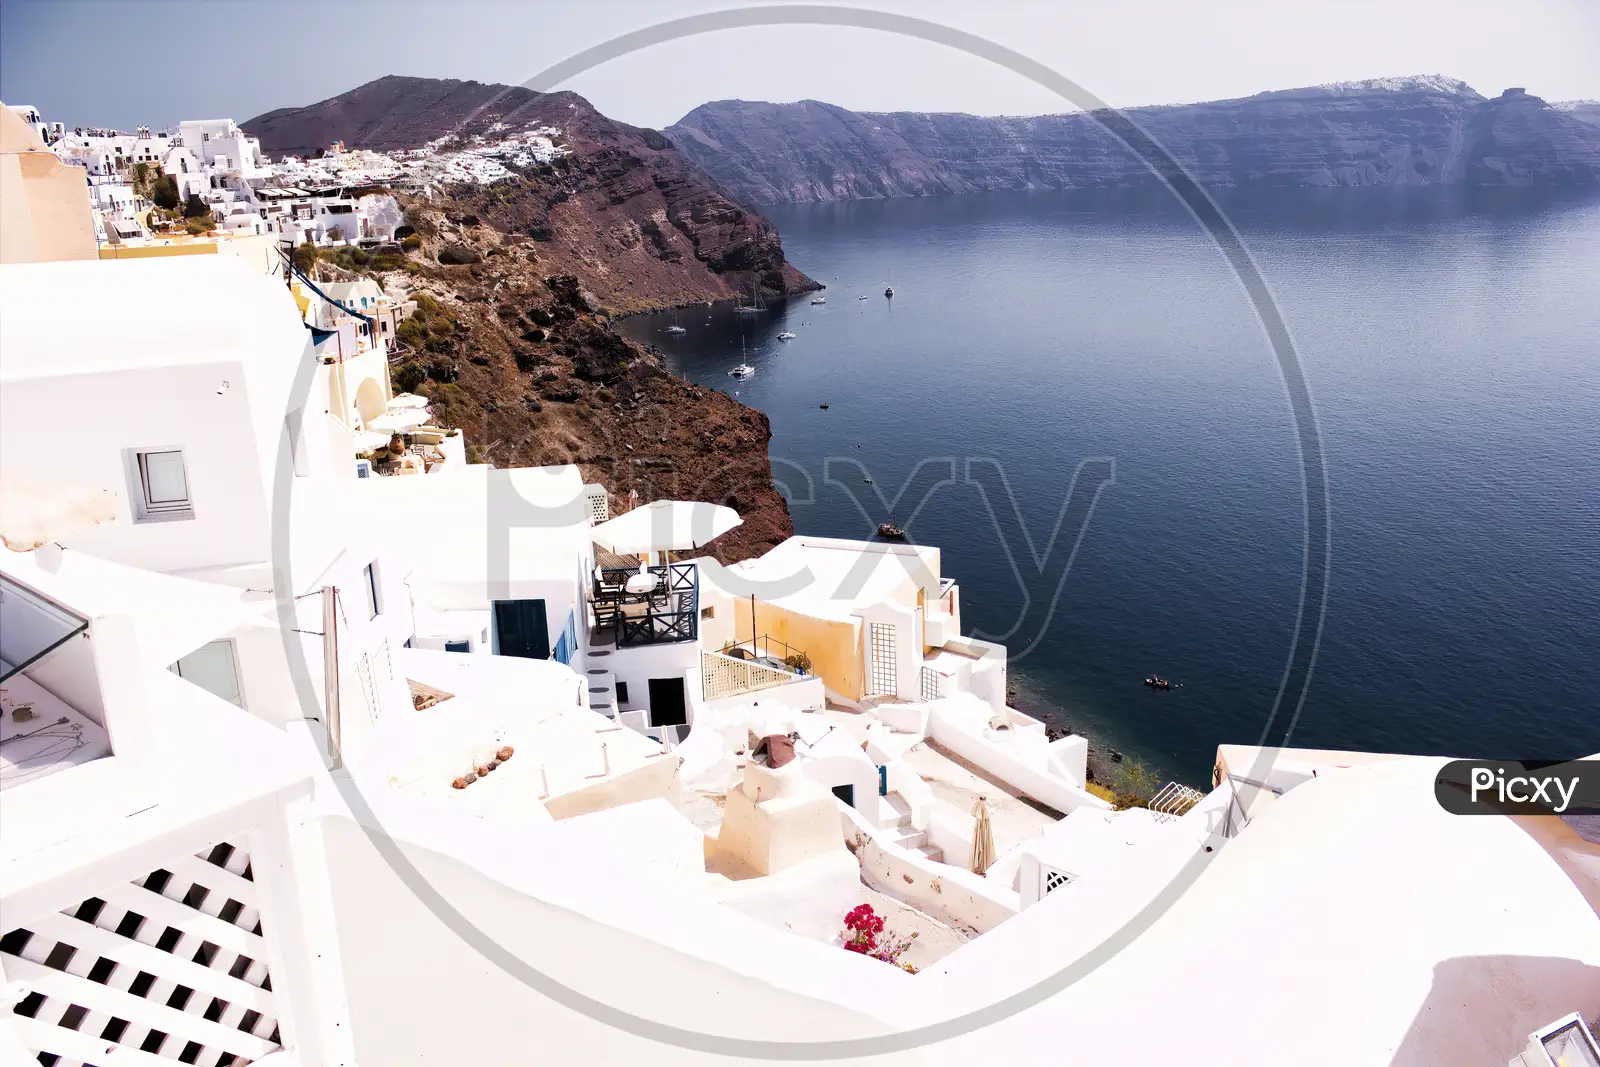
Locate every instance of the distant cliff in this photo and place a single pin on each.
(1392, 131)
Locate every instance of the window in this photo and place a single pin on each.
(622, 693)
(462, 645)
(161, 486)
(214, 668)
(708, 613)
(370, 580)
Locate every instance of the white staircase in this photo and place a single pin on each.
(895, 817)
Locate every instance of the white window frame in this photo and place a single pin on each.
(145, 509)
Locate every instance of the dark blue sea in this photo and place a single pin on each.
(1452, 346)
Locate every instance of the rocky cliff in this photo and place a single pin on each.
(1396, 131)
(519, 281)
(1583, 110)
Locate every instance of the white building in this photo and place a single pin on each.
(244, 822)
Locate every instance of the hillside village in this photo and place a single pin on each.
(208, 177)
(328, 743)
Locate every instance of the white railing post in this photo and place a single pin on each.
(297, 912)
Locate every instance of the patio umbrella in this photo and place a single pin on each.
(982, 839)
(368, 441)
(665, 525)
(401, 420)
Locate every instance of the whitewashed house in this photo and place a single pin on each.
(187, 420)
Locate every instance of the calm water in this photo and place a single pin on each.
(1453, 350)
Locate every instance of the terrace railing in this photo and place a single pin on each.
(668, 611)
(751, 666)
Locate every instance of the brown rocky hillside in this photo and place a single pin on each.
(518, 282)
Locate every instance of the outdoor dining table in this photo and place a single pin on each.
(642, 583)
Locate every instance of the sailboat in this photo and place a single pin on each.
(755, 306)
(675, 328)
(888, 290)
(743, 370)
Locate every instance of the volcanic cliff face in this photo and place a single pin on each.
(642, 225)
(1582, 110)
(518, 282)
(1399, 131)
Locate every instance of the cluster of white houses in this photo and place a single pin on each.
(337, 199)
(306, 765)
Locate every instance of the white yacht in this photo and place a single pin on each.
(742, 371)
(676, 329)
(786, 336)
(819, 300)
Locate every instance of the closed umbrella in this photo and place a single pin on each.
(665, 526)
(982, 838)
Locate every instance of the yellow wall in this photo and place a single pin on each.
(259, 250)
(833, 645)
(44, 203)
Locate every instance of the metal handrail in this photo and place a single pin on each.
(762, 646)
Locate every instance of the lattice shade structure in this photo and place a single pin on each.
(169, 968)
(884, 678)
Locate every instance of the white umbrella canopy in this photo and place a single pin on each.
(369, 441)
(665, 526)
(33, 514)
(400, 420)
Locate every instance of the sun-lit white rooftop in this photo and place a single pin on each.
(828, 578)
(127, 311)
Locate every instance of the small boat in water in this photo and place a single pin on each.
(742, 371)
(676, 329)
(891, 531)
(888, 291)
(755, 306)
(786, 336)
(819, 300)
(863, 296)
(1155, 682)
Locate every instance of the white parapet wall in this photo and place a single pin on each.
(1019, 757)
(949, 893)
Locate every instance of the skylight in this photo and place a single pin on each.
(31, 627)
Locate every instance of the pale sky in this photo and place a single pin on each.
(123, 63)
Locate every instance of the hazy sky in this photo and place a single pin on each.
(126, 62)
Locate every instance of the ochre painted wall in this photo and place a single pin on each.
(833, 645)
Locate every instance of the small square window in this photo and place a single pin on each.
(161, 486)
(370, 576)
